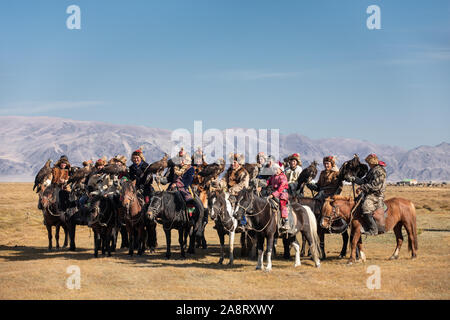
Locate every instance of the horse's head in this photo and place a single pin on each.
(353, 168)
(155, 206)
(216, 203)
(127, 193)
(335, 208)
(243, 203)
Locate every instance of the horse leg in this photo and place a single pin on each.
(270, 245)
(95, 244)
(361, 252)
(302, 252)
(354, 236)
(287, 247)
(131, 240)
(399, 238)
(49, 234)
(124, 236)
(168, 240)
(232, 233)
(192, 236)
(72, 230)
(344, 245)
(66, 235)
(412, 238)
(57, 227)
(321, 234)
(296, 245)
(109, 236)
(260, 247)
(315, 255)
(182, 237)
(221, 235)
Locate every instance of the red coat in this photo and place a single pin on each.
(280, 184)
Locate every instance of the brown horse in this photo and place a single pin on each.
(48, 202)
(401, 212)
(133, 216)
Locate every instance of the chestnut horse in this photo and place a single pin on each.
(401, 212)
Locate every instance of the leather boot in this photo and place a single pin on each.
(370, 223)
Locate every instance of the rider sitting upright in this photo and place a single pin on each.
(373, 185)
(279, 183)
(328, 184)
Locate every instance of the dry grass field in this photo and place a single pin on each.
(29, 271)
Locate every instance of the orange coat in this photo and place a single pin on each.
(59, 174)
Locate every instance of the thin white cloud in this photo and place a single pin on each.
(423, 55)
(26, 108)
(247, 75)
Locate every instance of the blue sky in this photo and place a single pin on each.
(310, 67)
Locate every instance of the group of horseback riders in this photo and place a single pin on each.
(270, 176)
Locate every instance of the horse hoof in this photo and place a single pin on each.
(318, 265)
(393, 257)
(258, 268)
(220, 261)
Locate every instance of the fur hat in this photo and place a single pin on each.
(178, 159)
(373, 160)
(86, 163)
(63, 159)
(330, 159)
(237, 157)
(120, 158)
(261, 155)
(295, 156)
(138, 153)
(100, 162)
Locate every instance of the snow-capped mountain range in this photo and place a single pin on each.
(27, 142)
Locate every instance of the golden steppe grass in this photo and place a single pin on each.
(29, 271)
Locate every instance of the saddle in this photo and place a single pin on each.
(379, 216)
(292, 218)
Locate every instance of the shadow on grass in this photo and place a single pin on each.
(23, 253)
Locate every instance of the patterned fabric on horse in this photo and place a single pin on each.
(184, 177)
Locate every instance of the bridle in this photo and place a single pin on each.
(246, 209)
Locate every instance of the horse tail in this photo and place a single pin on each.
(414, 241)
(315, 245)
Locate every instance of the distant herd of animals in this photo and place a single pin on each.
(107, 200)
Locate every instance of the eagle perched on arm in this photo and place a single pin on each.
(79, 175)
(44, 174)
(306, 176)
(158, 167)
(212, 171)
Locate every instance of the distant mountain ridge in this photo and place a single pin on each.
(27, 142)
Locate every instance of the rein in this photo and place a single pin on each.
(259, 212)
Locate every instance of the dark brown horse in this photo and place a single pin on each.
(48, 202)
(133, 216)
(103, 223)
(401, 212)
